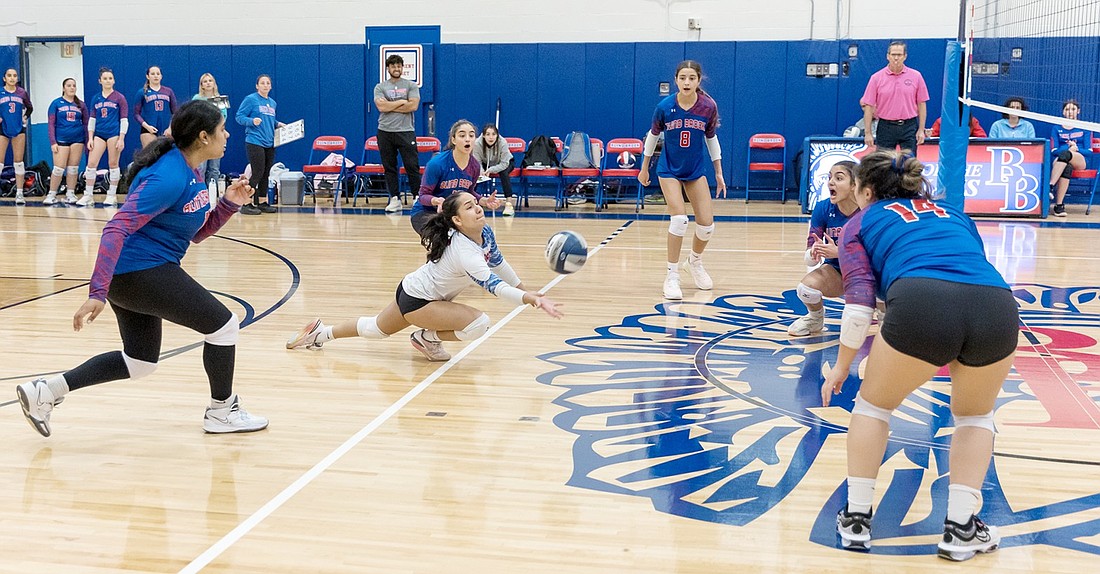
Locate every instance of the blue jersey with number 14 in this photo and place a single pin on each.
(684, 155)
(895, 238)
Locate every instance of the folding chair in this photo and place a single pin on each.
(546, 173)
(626, 176)
(1088, 174)
(327, 145)
(364, 171)
(581, 173)
(767, 147)
(424, 145)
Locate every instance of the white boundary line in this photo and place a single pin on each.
(204, 559)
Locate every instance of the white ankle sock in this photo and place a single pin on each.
(962, 503)
(216, 404)
(58, 386)
(818, 314)
(694, 257)
(325, 335)
(674, 268)
(432, 336)
(861, 494)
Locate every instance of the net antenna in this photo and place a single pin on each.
(1044, 51)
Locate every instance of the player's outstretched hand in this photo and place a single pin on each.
(834, 381)
(548, 306)
(239, 191)
(87, 313)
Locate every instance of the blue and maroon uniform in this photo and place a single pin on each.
(442, 177)
(68, 122)
(827, 219)
(684, 155)
(14, 107)
(155, 107)
(944, 301)
(107, 112)
(164, 212)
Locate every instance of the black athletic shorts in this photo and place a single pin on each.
(940, 321)
(407, 303)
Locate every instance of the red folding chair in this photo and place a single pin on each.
(575, 173)
(424, 145)
(1089, 174)
(327, 145)
(547, 173)
(625, 174)
(767, 147)
(365, 170)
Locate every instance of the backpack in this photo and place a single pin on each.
(541, 152)
(578, 151)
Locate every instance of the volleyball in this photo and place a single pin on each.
(626, 160)
(566, 252)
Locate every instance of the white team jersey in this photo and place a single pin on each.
(465, 263)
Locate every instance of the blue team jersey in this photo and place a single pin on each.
(895, 238)
(442, 177)
(175, 201)
(107, 111)
(1060, 138)
(256, 106)
(155, 107)
(827, 219)
(68, 122)
(14, 106)
(684, 155)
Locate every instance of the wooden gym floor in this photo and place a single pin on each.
(634, 435)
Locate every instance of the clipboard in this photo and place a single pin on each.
(293, 131)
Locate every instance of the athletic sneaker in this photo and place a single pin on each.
(509, 209)
(307, 337)
(806, 325)
(19, 198)
(672, 287)
(962, 541)
(70, 197)
(267, 208)
(86, 200)
(51, 198)
(37, 402)
(232, 418)
(249, 209)
(854, 529)
(1058, 210)
(111, 200)
(698, 274)
(394, 205)
(433, 350)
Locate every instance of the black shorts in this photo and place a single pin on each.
(145, 130)
(22, 130)
(67, 144)
(940, 321)
(407, 303)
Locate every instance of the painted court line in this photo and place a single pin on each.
(272, 505)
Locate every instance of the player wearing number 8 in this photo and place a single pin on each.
(946, 306)
(689, 121)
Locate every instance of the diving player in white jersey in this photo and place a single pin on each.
(689, 120)
(462, 251)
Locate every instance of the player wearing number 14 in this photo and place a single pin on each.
(946, 306)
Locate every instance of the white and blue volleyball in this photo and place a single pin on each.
(626, 160)
(566, 252)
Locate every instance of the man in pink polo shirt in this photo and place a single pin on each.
(898, 97)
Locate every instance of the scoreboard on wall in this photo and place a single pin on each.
(1003, 177)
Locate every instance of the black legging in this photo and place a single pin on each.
(506, 178)
(141, 300)
(389, 145)
(260, 159)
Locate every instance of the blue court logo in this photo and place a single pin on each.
(713, 412)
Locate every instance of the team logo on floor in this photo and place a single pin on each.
(713, 412)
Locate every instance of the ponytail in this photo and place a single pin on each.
(435, 236)
(144, 158)
(893, 175)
